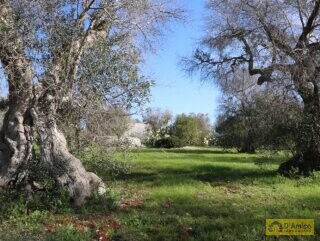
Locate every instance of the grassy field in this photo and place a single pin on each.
(180, 194)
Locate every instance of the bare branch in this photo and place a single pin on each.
(274, 34)
(309, 26)
(300, 13)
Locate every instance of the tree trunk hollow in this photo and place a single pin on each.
(17, 150)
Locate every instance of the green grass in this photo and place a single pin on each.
(209, 194)
(184, 194)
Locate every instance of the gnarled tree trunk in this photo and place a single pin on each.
(307, 158)
(68, 170)
(16, 143)
(248, 146)
(24, 120)
(30, 114)
(21, 124)
(16, 137)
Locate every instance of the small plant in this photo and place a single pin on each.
(99, 203)
(314, 178)
(108, 163)
(13, 205)
(70, 233)
(169, 142)
(294, 172)
(56, 200)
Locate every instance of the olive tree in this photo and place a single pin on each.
(42, 45)
(192, 129)
(278, 42)
(157, 121)
(107, 94)
(256, 117)
(265, 120)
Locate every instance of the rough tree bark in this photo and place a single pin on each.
(307, 158)
(31, 114)
(247, 147)
(17, 133)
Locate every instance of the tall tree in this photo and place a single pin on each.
(42, 44)
(236, 125)
(192, 129)
(157, 121)
(277, 41)
(253, 117)
(263, 119)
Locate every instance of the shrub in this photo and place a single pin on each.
(191, 130)
(150, 142)
(165, 142)
(107, 163)
(168, 142)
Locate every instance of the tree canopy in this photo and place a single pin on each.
(276, 41)
(81, 53)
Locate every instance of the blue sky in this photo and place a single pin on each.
(174, 90)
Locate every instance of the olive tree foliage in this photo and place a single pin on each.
(44, 46)
(236, 125)
(250, 117)
(265, 121)
(93, 127)
(157, 121)
(108, 92)
(276, 41)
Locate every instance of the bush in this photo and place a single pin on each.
(107, 163)
(150, 142)
(191, 130)
(168, 142)
(178, 142)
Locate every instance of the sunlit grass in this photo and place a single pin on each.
(179, 194)
(209, 194)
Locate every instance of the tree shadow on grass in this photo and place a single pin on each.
(221, 173)
(187, 151)
(203, 173)
(138, 177)
(202, 151)
(217, 158)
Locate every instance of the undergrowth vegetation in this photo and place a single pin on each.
(176, 194)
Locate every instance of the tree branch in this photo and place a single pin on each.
(300, 13)
(271, 31)
(16, 65)
(309, 26)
